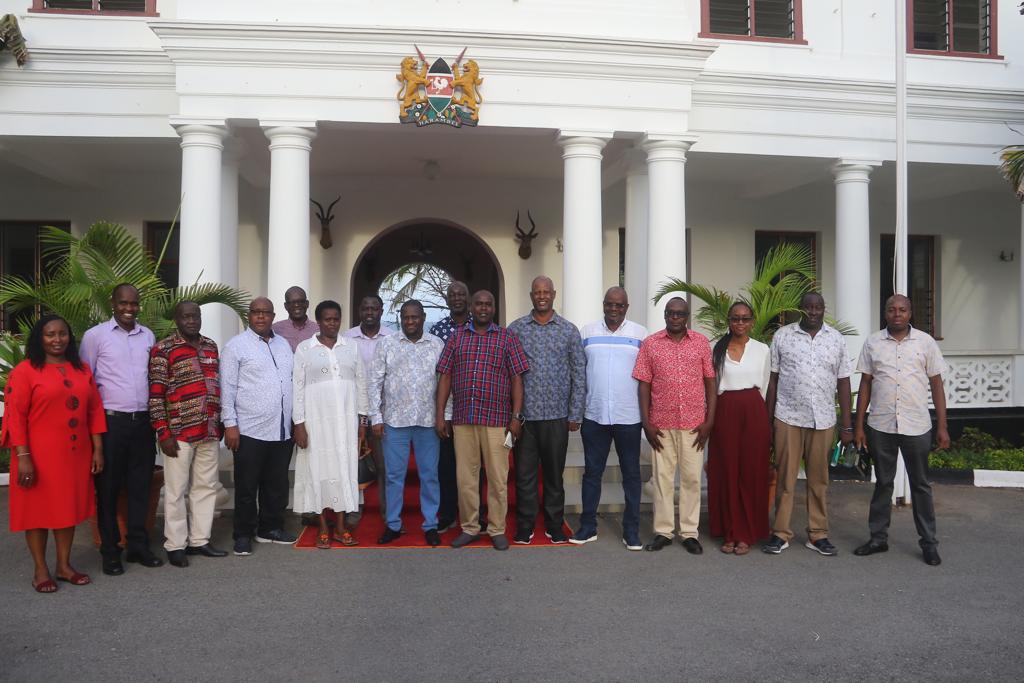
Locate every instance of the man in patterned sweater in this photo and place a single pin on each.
(184, 409)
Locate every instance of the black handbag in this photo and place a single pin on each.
(367, 470)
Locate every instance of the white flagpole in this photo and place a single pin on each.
(901, 490)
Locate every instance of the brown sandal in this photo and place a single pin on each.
(742, 548)
(323, 541)
(346, 538)
(728, 547)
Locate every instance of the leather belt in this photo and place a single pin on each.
(138, 415)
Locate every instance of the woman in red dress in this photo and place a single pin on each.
(52, 423)
(738, 464)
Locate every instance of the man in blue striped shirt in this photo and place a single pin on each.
(612, 413)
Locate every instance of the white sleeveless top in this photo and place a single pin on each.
(752, 370)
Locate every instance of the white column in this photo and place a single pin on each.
(637, 199)
(199, 255)
(288, 243)
(1018, 365)
(666, 236)
(229, 230)
(582, 280)
(853, 249)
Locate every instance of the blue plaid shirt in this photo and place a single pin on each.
(555, 386)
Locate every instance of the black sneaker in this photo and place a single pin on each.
(276, 536)
(557, 536)
(583, 536)
(523, 536)
(774, 546)
(243, 545)
(631, 540)
(823, 547)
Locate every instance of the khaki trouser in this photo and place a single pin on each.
(677, 453)
(473, 442)
(793, 444)
(190, 526)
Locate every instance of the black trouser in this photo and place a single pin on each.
(883, 448)
(449, 508)
(261, 474)
(129, 456)
(542, 444)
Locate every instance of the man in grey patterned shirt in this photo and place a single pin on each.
(554, 389)
(810, 368)
(403, 378)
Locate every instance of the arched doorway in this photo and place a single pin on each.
(447, 245)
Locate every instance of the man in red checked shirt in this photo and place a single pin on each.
(184, 407)
(677, 408)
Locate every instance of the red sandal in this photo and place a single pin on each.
(47, 586)
(76, 579)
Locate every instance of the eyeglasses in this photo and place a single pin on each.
(677, 314)
(612, 304)
(741, 319)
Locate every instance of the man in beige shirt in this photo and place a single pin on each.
(898, 366)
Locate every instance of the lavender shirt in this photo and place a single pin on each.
(295, 335)
(120, 363)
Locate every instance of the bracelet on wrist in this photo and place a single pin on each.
(22, 455)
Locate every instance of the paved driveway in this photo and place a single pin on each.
(591, 613)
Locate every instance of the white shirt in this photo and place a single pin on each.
(808, 368)
(611, 390)
(751, 371)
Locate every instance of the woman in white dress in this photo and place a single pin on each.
(330, 394)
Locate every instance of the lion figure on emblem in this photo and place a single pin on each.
(468, 79)
(411, 80)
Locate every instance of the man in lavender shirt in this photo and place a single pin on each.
(297, 328)
(367, 334)
(117, 350)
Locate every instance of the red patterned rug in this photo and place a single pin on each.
(372, 524)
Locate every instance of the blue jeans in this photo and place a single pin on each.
(597, 440)
(426, 445)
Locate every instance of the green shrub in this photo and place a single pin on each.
(1008, 459)
(5, 460)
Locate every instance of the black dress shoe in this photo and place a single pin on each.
(206, 551)
(870, 548)
(433, 538)
(693, 546)
(146, 559)
(658, 543)
(931, 556)
(112, 566)
(177, 558)
(388, 536)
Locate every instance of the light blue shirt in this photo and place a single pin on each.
(256, 386)
(611, 390)
(403, 381)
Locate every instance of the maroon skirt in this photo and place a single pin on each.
(739, 468)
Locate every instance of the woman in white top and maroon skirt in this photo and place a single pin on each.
(738, 458)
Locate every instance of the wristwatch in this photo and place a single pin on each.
(520, 417)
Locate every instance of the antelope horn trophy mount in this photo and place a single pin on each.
(525, 239)
(325, 222)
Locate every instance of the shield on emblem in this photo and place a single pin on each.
(439, 85)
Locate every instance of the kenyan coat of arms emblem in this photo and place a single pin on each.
(439, 93)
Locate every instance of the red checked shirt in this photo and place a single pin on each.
(482, 367)
(184, 390)
(676, 372)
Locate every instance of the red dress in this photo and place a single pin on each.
(54, 415)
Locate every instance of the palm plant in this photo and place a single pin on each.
(781, 279)
(1012, 167)
(424, 281)
(85, 269)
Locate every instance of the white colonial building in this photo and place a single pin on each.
(646, 139)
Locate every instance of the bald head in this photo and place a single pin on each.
(616, 303)
(457, 298)
(296, 303)
(261, 316)
(482, 309)
(899, 299)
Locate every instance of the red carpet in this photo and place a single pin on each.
(372, 525)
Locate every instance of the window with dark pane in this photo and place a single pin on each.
(971, 25)
(921, 277)
(773, 18)
(69, 4)
(122, 5)
(757, 18)
(730, 16)
(97, 5)
(953, 25)
(162, 238)
(22, 256)
(931, 20)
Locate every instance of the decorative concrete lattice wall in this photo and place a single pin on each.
(979, 381)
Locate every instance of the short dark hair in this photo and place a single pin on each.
(113, 292)
(411, 302)
(326, 305)
(372, 296)
(34, 344)
(177, 306)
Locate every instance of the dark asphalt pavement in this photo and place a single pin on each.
(591, 613)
